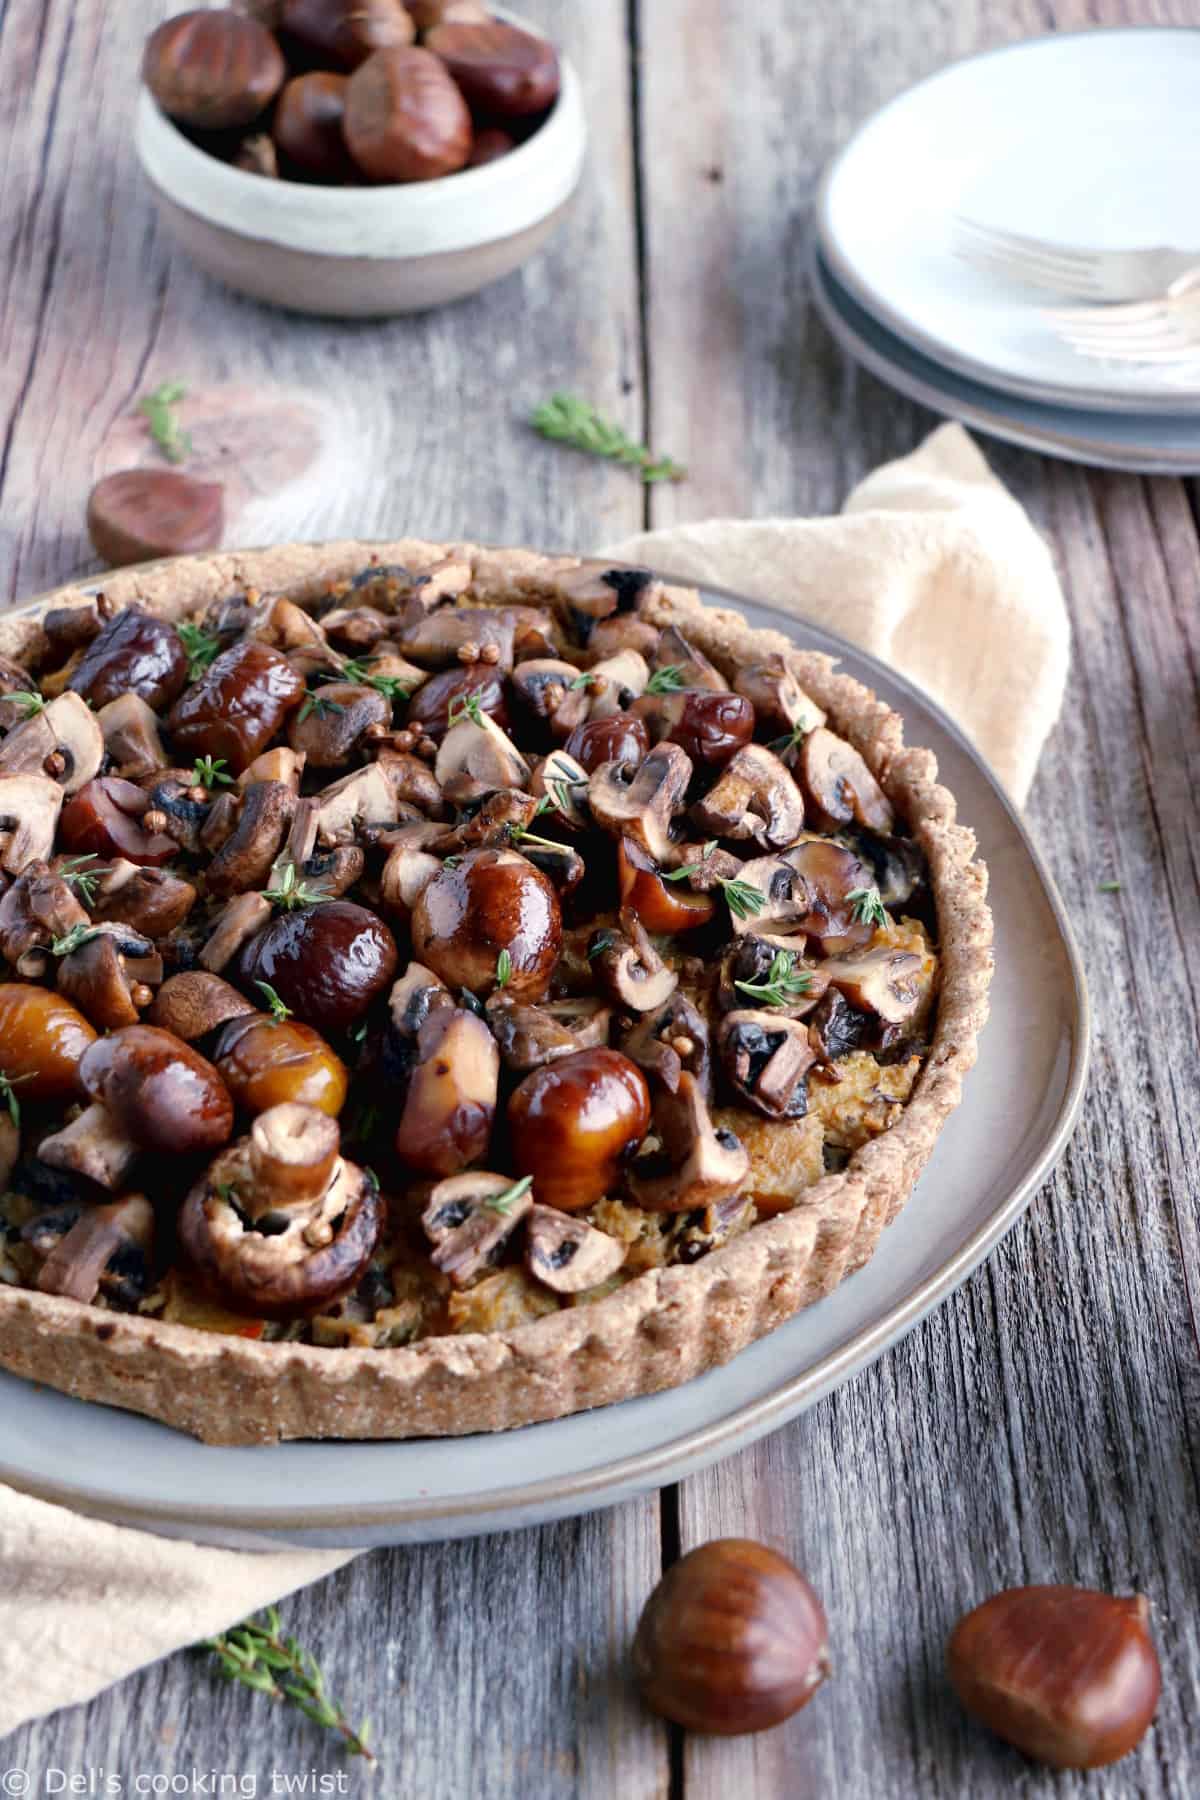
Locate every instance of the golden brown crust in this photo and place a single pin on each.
(657, 1331)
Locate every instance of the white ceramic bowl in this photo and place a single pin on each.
(365, 252)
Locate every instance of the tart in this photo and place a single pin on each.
(446, 988)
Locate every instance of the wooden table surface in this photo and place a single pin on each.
(1042, 1424)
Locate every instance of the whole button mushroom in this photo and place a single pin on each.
(405, 118)
(134, 653)
(326, 962)
(164, 1094)
(42, 1042)
(238, 704)
(572, 1123)
(492, 919)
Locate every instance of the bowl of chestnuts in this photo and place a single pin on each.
(358, 157)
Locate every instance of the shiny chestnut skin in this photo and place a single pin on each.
(213, 71)
(732, 1640)
(135, 653)
(343, 33)
(492, 901)
(42, 1042)
(307, 126)
(237, 706)
(573, 1120)
(505, 73)
(105, 818)
(137, 514)
(710, 727)
(430, 705)
(1068, 1675)
(621, 738)
(265, 1062)
(405, 119)
(490, 145)
(166, 1095)
(327, 962)
(660, 905)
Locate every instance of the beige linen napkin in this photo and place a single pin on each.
(934, 568)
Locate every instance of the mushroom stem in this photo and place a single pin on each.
(293, 1157)
(78, 1260)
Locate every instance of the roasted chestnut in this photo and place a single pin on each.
(238, 704)
(430, 706)
(161, 1091)
(505, 73)
(267, 1062)
(326, 962)
(105, 816)
(491, 921)
(490, 145)
(307, 126)
(405, 118)
(710, 727)
(42, 1042)
(622, 738)
(572, 1123)
(343, 33)
(138, 514)
(135, 653)
(213, 71)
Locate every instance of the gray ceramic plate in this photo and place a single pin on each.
(1019, 1108)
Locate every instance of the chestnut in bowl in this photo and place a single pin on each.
(327, 962)
(405, 119)
(307, 128)
(213, 71)
(491, 911)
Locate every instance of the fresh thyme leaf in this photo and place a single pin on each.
(504, 1203)
(692, 868)
(790, 739)
(165, 429)
(743, 900)
(566, 419)
(73, 939)
(784, 981)
(292, 892)
(867, 906)
(208, 773)
(580, 681)
(517, 834)
(8, 1098)
(464, 706)
(279, 1012)
(29, 700)
(85, 881)
(1110, 887)
(503, 969)
(315, 703)
(604, 941)
(260, 1657)
(666, 680)
(451, 862)
(200, 646)
(390, 686)
(224, 1190)
(358, 1034)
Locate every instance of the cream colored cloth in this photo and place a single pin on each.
(934, 568)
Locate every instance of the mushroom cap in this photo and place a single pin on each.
(99, 975)
(162, 1092)
(567, 1255)
(755, 799)
(194, 1003)
(493, 901)
(839, 784)
(641, 803)
(244, 860)
(29, 810)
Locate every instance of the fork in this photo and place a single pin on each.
(1080, 274)
(1163, 330)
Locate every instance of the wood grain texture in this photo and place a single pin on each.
(1043, 1424)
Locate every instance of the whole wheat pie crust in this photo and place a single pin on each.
(636, 1334)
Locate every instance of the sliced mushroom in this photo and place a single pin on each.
(641, 803)
(287, 627)
(70, 628)
(412, 782)
(417, 993)
(245, 859)
(543, 684)
(631, 971)
(623, 631)
(595, 591)
(355, 628)
(807, 890)
(111, 965)
(767, 1057)
(406, 875)
(364, 797)
(567, 1255)
(102, 1236)
(475, 758)
(882, 981)
(671, 1040)
(438, 639)
(151, 901)
(491, 827)
(698, 1165)
(466, 1226)
(335, 871)
(194, 1003)
(836, 1029)
(281, 764)
(131, 737)
(751, 961)
(674, 651)
(604, 690)
(450, 1105)
(840, 786)
(530, 1036)
(566, 782)
(29, 810)
(242, 919)
(754, 799)
(563, 865)
(222, 820)
(329, 726)
(181, 814)
(95, 1144)
(62, 741)
(39, 907)
(897, 864)
(779, 702)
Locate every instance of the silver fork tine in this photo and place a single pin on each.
(1080, 288)
(1030, 246)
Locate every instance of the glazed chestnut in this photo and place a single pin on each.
(623, 738)
(213, 71)
(573, 1121)
(490, 146)
(105, 818)
(660, 905)
(307, 126)
(138, 514)
(710, 727)
(266, 1062)
(732, 1640)
(504, 72)
(237, 706)
(135, 653)
(430, 705)
(492, 904)
(327, 962)
(1068, 1675)
(42, 1042)
(405, 119)
(161, 1091)
(343, 33)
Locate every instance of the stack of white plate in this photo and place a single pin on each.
(1084, 139)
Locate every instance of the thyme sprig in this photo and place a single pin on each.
(8, 1098)
(73, 940)
(201, 647)
(390, 686)
(292, 892)
(165, 429)
(867, 906)
(261, 1657)
(504, 969)
(504, 1203)
(29, 700)
(279, 1012)
(743, 900)
(782, 746)
(566, 419)
(784, 983)
(85, 881)
(464, 706)
(316, 703)
(667, 680)
(209, 772)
